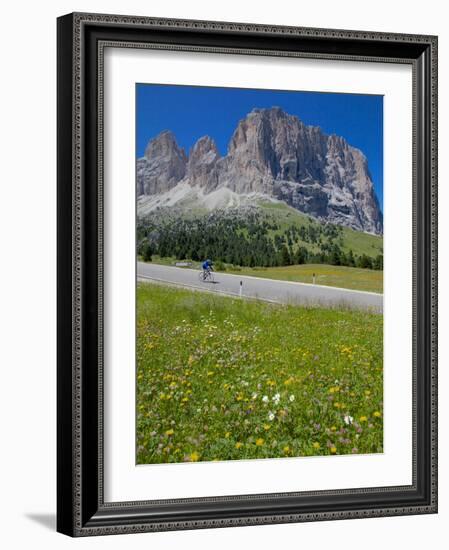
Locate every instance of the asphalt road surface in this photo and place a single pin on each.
(284, 292)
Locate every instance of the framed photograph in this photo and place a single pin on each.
(247, 279)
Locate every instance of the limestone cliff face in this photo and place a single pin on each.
(274, 154)
(162, 167)
(202, 165)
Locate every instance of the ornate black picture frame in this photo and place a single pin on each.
(81, 510)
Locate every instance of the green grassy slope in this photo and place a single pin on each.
(328, 275)
(286, 216)
(221, 379)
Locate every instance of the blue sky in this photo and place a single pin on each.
(191, 112)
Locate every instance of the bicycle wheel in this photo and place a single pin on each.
(201, 276)
(210, 277)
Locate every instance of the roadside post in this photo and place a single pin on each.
(241, 289)
(313, 278)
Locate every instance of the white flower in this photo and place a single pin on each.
(291, 398)
(276, 398)
(254, 396)
(270, 416)
(265, 399)
(348, 419)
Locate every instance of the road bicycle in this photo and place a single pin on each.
(206, 276)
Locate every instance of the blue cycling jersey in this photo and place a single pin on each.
(207, 264)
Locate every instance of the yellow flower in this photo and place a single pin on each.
(184, 399)
(210, 373)
(266, 427)
(316, 445)
(333, 450)
(286, 449)
(238, 445)
(227, 434)
(194, 457)
(377, 414)
(169, 432)
(259, 442)
(333, 428)
(363, 418)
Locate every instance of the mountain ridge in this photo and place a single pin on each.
(271, 154)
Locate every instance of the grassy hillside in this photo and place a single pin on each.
(264, 234)
(286, 216)
(328, 275)
(221, 379)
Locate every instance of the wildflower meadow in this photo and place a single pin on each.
(221, 378)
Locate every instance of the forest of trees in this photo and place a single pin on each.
(252, 240)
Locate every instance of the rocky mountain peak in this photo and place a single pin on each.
(163, 165)
(275, 154)
(261, 126)
(205, 151)
(164, 144)
(202, 162)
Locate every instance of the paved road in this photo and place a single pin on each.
(264, 289)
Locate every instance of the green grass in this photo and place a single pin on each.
(357, 241)
(221, 379)
(362, 243)
(329, 275)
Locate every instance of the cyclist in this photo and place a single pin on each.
(207, 267)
